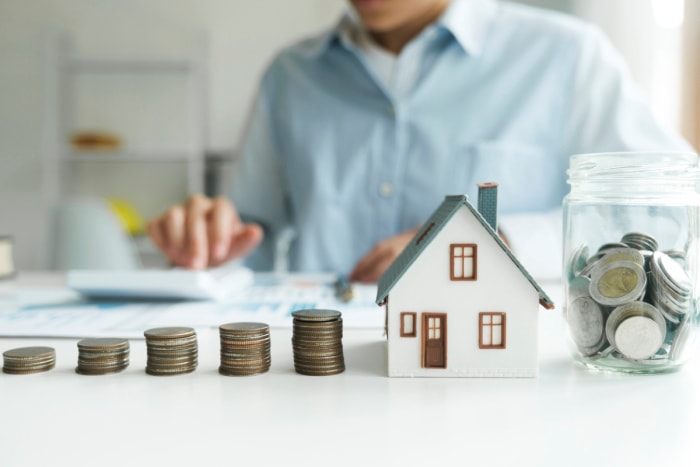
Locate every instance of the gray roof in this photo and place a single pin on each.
(439, 219)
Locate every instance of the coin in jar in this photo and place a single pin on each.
(586, 325)
(617, 283)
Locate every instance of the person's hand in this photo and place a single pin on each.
(203, 232)
(373, 264)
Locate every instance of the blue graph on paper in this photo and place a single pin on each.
(58, 312)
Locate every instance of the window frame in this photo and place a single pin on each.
(414, 317)
(490, 326)
(474, 258)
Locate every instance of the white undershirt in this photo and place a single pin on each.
(383, 63)
(397, 74)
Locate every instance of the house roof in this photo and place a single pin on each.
(425, 236)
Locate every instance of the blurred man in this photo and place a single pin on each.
(357, 135)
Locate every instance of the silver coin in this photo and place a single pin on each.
(238, 372)
(29, 353)
(637, 336)
(98, 372)
(244, 328)
(577, 261)
(41, 360)
(316, 315)
(680, 340)
(602, 353)
(678, 256)
(586, 325)
(621, 254)
(170, 372)
(673, 271)
(103, 344)
(27, 371)
(590, 266)
(320, 372)
(617, 283)
(640, 241)
(578, 287)
(607, 246)
(168, 333)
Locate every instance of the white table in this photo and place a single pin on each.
(565, 417)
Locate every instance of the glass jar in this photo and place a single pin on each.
(631, 228)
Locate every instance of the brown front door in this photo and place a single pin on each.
(434, 340)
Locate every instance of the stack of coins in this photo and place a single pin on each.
(672, 288)
(640, 241)
(629, 300)
(317, 342)
(102, 356)
(171, 351)
(27, 360)
(245, 349)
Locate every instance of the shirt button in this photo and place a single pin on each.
(390, 110)
(386, 189)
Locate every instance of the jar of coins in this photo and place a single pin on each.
(631, 228)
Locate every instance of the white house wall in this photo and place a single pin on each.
(500, 287)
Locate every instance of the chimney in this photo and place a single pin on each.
(488, 203)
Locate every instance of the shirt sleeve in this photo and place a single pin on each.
(607, 112)
(258, 183)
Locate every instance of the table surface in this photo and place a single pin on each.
(566, 416)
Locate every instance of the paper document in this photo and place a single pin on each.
(61, 312)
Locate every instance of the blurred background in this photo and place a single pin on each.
(128, 106)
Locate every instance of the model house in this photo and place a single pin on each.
(458, 302)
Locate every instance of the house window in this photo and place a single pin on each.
(492, 330)
(463, 262)
(408, 324)
(434, 327)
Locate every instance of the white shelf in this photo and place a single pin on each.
(116, 65)
(128, 156)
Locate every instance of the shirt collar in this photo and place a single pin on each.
(329, 39)
(468, 21)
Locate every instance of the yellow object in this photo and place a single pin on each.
(128, 216)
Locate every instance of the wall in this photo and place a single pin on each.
(649, 38)
(242, 37)
(691, 74)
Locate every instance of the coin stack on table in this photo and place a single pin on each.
(170, 351)
(629, 301)
(102, 356)
(317, 342)
(245, 349)
(28, 360)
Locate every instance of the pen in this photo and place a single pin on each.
(343, 289)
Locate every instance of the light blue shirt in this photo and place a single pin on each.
(492, 92)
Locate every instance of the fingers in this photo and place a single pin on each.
(223, 222)
(155, 231)
(245, 240)
(229, 238)
(196, 237)
(173, 228)
(371, 267)
(168, 233)
(203, 232)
